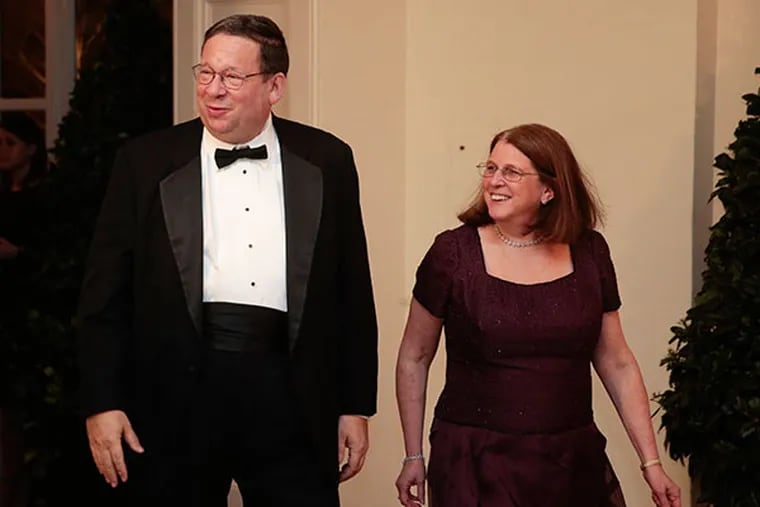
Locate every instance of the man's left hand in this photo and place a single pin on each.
(353, 436)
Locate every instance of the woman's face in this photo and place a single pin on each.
(14, 153)
(512, 188)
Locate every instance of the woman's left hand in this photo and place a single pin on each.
(665, 492)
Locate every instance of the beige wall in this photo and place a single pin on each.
(727, 54)
(360, 83)
(738, 53)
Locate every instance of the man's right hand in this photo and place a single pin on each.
(105, 431)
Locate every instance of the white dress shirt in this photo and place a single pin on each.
(244, 225)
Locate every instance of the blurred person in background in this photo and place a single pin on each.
(23, 163)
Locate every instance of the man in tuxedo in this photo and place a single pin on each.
(227, 320)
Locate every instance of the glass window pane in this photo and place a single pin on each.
(22, 39)
(90, 16)
(89, 30)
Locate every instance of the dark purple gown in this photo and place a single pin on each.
(514, 424)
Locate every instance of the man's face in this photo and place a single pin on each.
(236, 116)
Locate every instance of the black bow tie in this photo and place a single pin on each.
(226, 157)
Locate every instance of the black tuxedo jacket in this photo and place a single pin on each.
(141, 344)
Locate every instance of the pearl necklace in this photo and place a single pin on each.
(515, 243)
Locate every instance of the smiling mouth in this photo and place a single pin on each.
(499, 197)
(216, 111)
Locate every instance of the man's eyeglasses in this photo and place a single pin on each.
(230, 80)
(509, 173)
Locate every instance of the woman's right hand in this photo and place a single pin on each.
(411, 480)
(665, 492)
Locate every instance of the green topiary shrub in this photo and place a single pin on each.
(711, 412)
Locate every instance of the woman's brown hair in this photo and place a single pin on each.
(574, 208)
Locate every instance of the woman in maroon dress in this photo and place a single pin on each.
(527, 293)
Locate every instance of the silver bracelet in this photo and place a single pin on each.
(650, 463)
(413, 457)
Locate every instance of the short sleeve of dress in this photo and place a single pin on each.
(432, 288)
(600, 252)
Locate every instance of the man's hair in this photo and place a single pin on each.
(274, 52)
(574, 208)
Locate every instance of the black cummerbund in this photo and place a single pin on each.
(234, 327)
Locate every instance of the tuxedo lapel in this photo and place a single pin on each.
(302, 182)
(181, 201)
(182, 206)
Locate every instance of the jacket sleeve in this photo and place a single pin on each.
(358, 362)
(105, 303)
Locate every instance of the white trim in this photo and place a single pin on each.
(60, 61)
(185, 16)
(23, 104)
